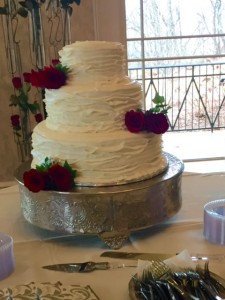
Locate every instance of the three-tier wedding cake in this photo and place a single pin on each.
(85, 120)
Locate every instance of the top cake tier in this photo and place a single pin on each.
(103, 60)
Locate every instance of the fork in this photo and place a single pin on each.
(213, 280)
(159, 270)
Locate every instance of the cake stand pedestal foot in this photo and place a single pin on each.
(114, 240)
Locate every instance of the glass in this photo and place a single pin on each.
(6, 256)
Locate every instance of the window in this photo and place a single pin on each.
(174, 31)
(177, 48)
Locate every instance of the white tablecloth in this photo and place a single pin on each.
(34, 247)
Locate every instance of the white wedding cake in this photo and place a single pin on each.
(85, 120)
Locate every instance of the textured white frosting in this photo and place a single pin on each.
(94, 60)
(85, 123)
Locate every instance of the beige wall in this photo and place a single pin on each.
(93, 19)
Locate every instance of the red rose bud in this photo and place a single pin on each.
(38, 117)
(156, 123)
(17, 83)
(60, 177)
(34, 180)
(134, 120)
(55, 62)
(26, 77)
(15, 120)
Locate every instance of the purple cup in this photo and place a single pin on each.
(7, 263)
(214, 221)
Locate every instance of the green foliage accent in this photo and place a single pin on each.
(160, 105)
(62, 68)
(22, 12)
(48, 163)
(3, 10)
(69, 168)
(34, 107)
(22, 100)
(29, 4)
(45, 166)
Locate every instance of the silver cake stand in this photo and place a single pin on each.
(112, 213)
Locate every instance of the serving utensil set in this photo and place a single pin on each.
(158, 281)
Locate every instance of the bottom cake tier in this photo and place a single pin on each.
(111, 212)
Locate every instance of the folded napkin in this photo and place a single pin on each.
(181, 260)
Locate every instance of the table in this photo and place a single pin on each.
(34, 247)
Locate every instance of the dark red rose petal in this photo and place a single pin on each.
(37, 79)
(156, 123)
(34, 180)
(15, 120)
(17, 82)
(49, 78)
(55, 62)
(134, 120)
(54, 78)
(61, 178)
(38, 117)
(26, 77)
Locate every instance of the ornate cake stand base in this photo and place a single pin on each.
(112, 213)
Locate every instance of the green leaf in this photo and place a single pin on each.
(62, 68)
(28, 87)
(34, 108)
(69, 168)
(29, 4)
(45, 166)
(22, 12)
(14, 101)
(17, 133)
(160, 105)
(3, 10)
(158, 99)
(22, 101)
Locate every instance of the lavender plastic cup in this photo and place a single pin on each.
(214, 221)
(6, 256)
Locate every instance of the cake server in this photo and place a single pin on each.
(85, 267)
(159, 256)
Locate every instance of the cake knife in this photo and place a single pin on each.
(85, 267)
(161, 256)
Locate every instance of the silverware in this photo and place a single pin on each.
(188, 283)
(85, 267)
(159, 256)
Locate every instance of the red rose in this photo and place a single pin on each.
(55, 62)
(60, 177)
(134, 120)
(38, 117)
(49, 78)
(37, 79)
(54, 78)
(34, 180)
(26, 77)
(15, 120)
(17, 83)
(156, 123)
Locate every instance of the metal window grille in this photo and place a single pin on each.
(189, 82)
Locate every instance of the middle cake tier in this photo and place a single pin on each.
(103, 158)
